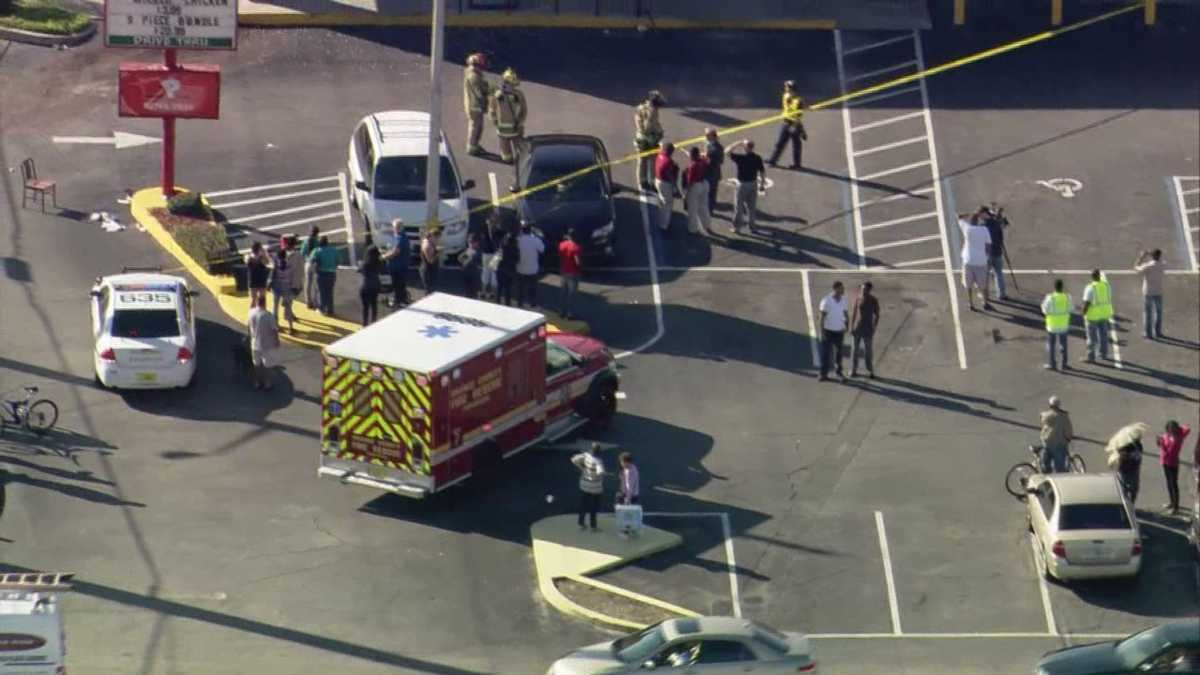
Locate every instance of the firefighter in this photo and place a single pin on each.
(508, 114)
(648, 133)
(476, 91)
(793, 127)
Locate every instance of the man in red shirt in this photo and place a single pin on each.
(569, 263)
(695, 191)
(666, 180)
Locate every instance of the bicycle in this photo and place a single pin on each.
(36, 416)
(1018, 476)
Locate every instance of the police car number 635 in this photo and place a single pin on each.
(144, 330)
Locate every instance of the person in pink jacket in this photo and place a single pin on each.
(1170, 444)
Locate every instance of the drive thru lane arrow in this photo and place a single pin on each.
(119, 139)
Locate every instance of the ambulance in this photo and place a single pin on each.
(448, 387)
(32, 641)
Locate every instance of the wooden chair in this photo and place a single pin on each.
(36, 186)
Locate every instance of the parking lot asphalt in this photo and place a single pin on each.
(205, 542)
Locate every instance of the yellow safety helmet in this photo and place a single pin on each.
(510, 76)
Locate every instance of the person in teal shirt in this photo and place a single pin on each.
(325, 259)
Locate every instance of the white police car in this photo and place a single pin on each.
(144, 330)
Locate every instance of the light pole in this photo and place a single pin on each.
(434, 161)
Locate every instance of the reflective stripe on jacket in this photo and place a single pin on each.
(508, 111)
(792, 107)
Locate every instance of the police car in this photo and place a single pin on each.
(144, 330)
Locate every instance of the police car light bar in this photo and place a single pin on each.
(36, 581)
(151, 268)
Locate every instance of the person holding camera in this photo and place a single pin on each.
(995, 221)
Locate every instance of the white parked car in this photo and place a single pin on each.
(388, 154)
(144, 330)
(1083, 527)
(711, 644)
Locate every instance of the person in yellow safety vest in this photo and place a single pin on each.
(1057, 308)
(793, 126)
(1097, 313)
(648, 133)
(508, 114)
(476, 92)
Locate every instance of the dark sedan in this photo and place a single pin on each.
(1169, 648)
(574, 197)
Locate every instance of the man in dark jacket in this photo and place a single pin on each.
(714, 152)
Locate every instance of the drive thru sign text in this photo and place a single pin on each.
(178, 24)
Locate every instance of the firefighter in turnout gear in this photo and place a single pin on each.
(648, 133)
(793, 126)
(476, 92)
(508, 114)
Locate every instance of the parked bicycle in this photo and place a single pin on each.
(1018, 476)
(37, 416)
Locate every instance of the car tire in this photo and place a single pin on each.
(600, 405)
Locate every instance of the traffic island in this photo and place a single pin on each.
(566, 557)
(313, 329)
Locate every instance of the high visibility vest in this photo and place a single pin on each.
(508, 111)
(475, 91)
(792, 107)
(647, 129)
(1100, 308)
(1058, 319)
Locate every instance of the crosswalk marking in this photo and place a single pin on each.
(260, 188)
(274, 198)
(890, 120)
(905, 219)
(889, 146)
(899, 169)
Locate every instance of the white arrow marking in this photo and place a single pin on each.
(119, 139)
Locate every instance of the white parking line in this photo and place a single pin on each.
(887, 570)
(898, 221)
(808, 313)
(259, 188)
(284, 212)
(914, 263)
(889, 146)
(1189, 240)
(1192, 210)
(966, 636)
(881, 71)
(1190, 192)
(873, 45)
(275, 198)
(851, 167)
(1040, 570)
(343, 190)
(903, 242)
(293, 223)
(730, 560)
(908, 194)
(890, 120)
(899, 169)
(655, 289)
(1159, 526)
(937, 200)
(879, 97)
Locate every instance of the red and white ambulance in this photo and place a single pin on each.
(447, 387)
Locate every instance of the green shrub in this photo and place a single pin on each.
(42, 17)
(202, 239)
(188, 204)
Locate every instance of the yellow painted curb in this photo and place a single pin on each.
(312, 328)
(562, 551)
(283, 18)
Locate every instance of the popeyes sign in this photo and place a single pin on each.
(153, 90)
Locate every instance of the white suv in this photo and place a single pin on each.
(388, 153)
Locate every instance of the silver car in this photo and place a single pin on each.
(710, 644)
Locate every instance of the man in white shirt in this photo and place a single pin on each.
(530, 248)
(1149, 264)
(833, 330)
(976, 252)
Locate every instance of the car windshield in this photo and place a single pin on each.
(1136, 648)
(1093, 517)
(145, 323)
(637, 647)
(586, 187)
(403, 179)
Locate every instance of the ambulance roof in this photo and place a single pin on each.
(436, 333)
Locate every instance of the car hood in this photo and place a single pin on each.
(1100, 657)
(591, 660)
(582, 345)
(554, 217)
(413, 213)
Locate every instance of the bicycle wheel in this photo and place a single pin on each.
(1018, 478)
(41, 416)
(1077, 465)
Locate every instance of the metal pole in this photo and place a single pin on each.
(168, 140)
(433, 163)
